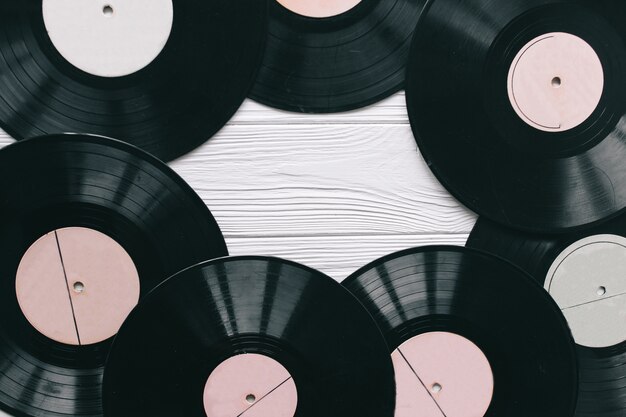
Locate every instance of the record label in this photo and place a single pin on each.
(442, 374)
(319, 8)
(250, 385)
(76, 286)
(556, 82)
(587, 282)
(108, 38)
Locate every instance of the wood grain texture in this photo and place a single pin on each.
(389, 111)
(303, 180)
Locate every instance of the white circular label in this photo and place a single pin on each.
(319, 8)
(442, 374)
(587, 280)
(77, 286)
(556, 82)
(109, 38)
(250, 385)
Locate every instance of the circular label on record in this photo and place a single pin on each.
(77, 286)
(319, 8)
(587, 282)
(250, 385)
(556, 82)
(109, 38)
(442, 374)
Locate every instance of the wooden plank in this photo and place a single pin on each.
(390, 110)
(305, 180)
(337, 256)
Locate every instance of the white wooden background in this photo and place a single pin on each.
(331, 191)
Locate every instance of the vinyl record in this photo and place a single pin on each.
(584, 272)
(335, 55)
(89, 225)
(517, 108)
(470, 335)
(249, 336)
(88, 67)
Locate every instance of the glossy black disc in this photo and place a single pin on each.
(474, 141)
(168, 108)
(602, 370)
(63, 181)
(315, 328)
(332, 64)
(498, 307)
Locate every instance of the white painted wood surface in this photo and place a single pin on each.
(331, 191)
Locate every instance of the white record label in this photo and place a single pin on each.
(109, 38)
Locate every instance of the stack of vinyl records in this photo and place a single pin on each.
(117, 294)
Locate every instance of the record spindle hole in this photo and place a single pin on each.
(320, 8)
(113, 46)
(52, 280)
(247, 380)
(427, 363)
(579, 279)
(78, 287)
(537, 88)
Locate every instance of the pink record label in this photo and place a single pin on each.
(77, 286)
(319, 8)
(442, 374)
(556, 82)
(250, 385)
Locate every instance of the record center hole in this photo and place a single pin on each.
(250, 398)
(601, 291)
(556, 82)
(79, 287)
(107, 10)
(436, 388)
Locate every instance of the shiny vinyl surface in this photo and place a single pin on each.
(336, 63)
(486, 300)
(476, 144)
(168, 108)
(602, 390)
(303, 319)
(71, 180)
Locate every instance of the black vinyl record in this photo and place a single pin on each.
(499, 308)
(108, 186)
(168, 108)
(470, 134)
(602, 391)
(178, 335)
(337, 63)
